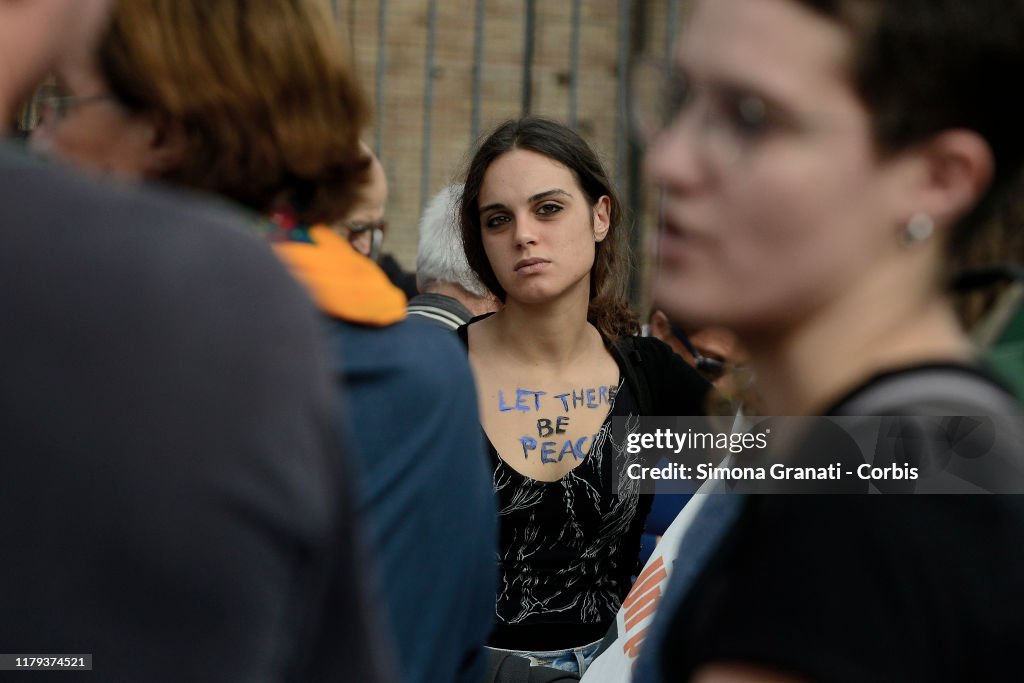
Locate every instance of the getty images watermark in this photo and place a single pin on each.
(905, 454)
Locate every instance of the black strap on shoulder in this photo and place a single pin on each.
(633, 368)
(952, 390)
(463, 330)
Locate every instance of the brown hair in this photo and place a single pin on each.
(262, 90)
(608, 310)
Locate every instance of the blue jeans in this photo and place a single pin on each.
(573, 660)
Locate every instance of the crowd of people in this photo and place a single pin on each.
(241, 445)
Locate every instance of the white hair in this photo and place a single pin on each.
(440, 256)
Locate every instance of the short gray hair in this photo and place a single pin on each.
(440, 256)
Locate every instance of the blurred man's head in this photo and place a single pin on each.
(38, 35)
(713, 351)
(441, 265)
(364, 225)
(234, 111)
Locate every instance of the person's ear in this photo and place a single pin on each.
(956, 170)
(167, 144)
(602, 218)
(660, 327)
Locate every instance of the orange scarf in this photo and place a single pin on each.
(344, 283)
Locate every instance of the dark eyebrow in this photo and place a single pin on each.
(735, 88)
(534, 198)
(491, 207)
(548, 193)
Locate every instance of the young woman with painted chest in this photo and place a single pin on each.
(541, 228)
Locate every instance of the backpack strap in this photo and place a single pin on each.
(935, 390)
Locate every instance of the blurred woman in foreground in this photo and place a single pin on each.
(820, 161)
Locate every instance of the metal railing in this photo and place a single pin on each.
(567, 69)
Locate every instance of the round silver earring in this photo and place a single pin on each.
(918, 229)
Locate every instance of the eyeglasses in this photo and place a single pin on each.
(728, 121)
(47, 105)
(376, 228)
(711, 368)
(356, 228)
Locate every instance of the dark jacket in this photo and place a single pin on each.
(172, 500)
(424, 486)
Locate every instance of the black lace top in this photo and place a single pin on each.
(568, 548)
